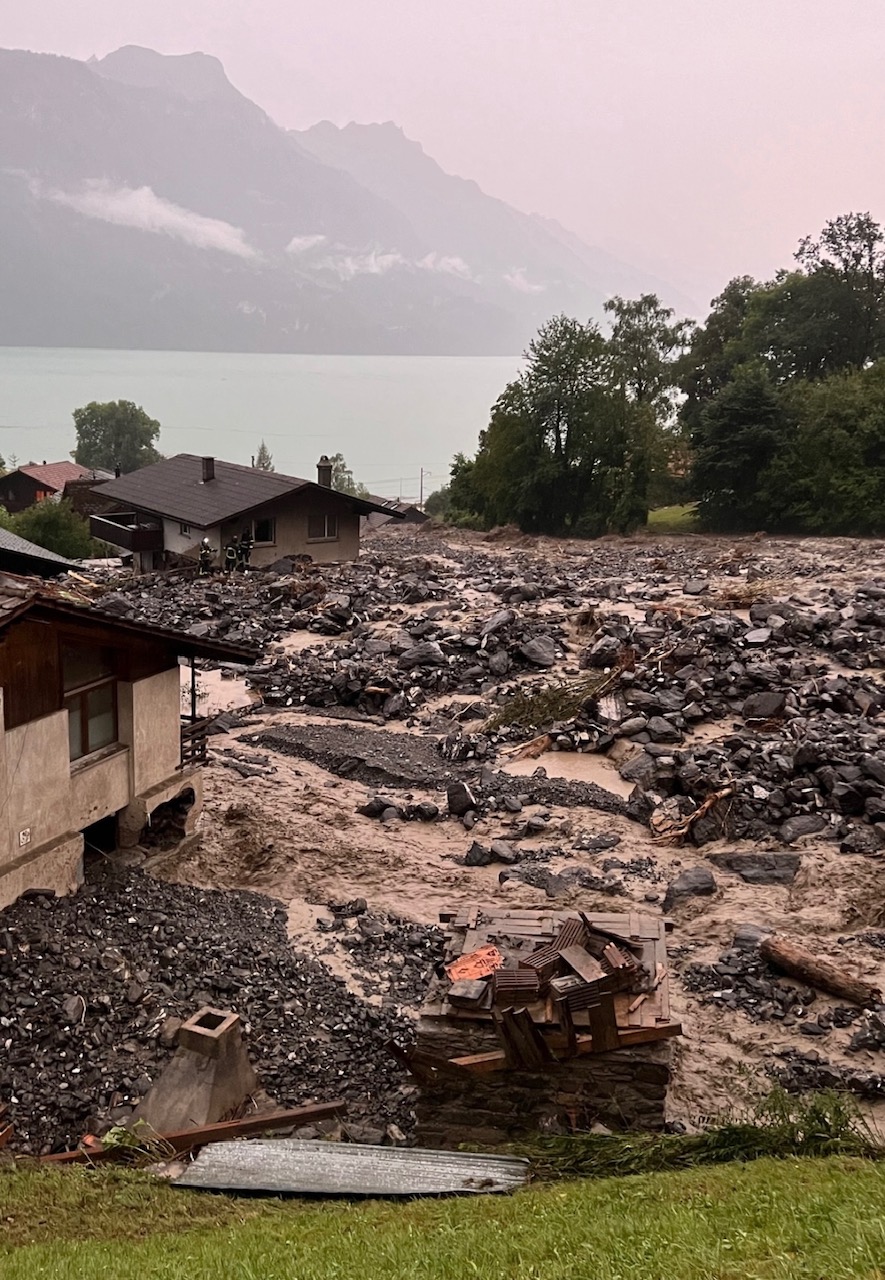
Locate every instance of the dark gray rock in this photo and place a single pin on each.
(767, 705)
(478, 856)
(427, 654)
(460, 799)
(803, 824)
(760, 868)
(663, 730)
(541, 651)
(694, 882)
(501, 851)
(748, 936)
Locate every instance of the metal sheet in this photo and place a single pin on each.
(299, 1167)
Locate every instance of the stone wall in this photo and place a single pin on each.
(626, 1089)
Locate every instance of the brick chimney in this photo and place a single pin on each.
(208, 470)
(324, 472)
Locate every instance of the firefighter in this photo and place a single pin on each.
(244, 550)
(205, 558)
(230, 556)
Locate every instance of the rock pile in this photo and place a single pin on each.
(93, 988)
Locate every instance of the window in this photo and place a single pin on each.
(321, 527)
(90, 698)
(264, 532)
(184, 530)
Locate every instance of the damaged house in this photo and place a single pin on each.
(166, 510)
(92, 744)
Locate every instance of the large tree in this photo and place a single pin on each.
(741, 431)
(829, 476)
(645, 346)
(342, 478)
(851, 249)
(57, 527)
(718, 347)
(561, 453)
(115, 434)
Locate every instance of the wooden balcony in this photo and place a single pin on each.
(123, 529)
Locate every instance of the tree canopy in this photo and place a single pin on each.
(573, 443)
(342, 478)
(115, 434)
(57, 527)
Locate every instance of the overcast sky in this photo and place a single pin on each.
(700, 138)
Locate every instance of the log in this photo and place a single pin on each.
(816, 972)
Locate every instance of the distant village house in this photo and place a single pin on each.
(34, 483)
(166, 510)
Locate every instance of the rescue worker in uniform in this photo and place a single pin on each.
(244, 550)
(230, 556)
(205, 558)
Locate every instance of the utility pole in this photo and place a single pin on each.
(421, 495)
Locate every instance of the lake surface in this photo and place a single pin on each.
(389, 415)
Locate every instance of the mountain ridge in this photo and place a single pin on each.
(146, 202)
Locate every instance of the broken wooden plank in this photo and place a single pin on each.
(528, 1045)
(604, 1025)
(584, 965)
(188, 1139)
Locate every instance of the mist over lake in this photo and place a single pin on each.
(389, 415)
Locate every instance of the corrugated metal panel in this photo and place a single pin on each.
(298, 1167)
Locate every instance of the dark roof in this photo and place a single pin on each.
(20, 556)
(54, 475)
(175, 488)
(20, 596)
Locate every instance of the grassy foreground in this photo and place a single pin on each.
(794, 1219)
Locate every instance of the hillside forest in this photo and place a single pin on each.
(768, 416)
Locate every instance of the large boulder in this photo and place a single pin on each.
(460, 799)
(694, 882)
(803, 824)
(767, 705)
(760, 868)
(541, 651)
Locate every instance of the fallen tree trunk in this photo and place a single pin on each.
(823, 974)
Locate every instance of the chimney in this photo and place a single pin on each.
(324, 472)
(208, 470)
(118, 471)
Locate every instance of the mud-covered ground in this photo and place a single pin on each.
(286, 822)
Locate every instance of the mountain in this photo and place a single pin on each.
(146, 203)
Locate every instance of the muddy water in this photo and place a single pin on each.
(574, 767)
(216, 692)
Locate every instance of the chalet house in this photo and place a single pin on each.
(167, 509)
(34, 483)
(92, 747)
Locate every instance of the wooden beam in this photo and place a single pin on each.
(604, 1025)
(183, 1140)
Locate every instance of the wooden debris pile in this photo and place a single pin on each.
(553, 986)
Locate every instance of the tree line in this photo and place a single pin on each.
(769, 415)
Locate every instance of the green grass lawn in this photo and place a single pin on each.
(673, 519)
(766, 1220)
